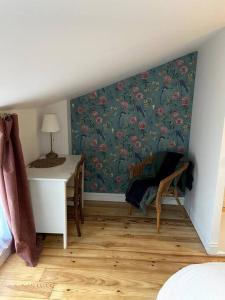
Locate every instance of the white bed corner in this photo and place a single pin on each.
(196, 282)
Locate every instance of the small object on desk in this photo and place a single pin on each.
(47, 162)
(50, 124)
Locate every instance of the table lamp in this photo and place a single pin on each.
(50, 124)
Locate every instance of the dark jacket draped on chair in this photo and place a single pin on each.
(163, 165)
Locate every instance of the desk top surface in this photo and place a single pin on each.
(62, 172)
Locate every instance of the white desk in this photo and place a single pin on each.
(48, 196)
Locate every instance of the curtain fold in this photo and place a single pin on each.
(14, 191)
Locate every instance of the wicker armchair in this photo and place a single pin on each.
(165, 188)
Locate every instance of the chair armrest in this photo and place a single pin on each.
(137, 169)
(165, 183)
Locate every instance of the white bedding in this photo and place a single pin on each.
(196, 282)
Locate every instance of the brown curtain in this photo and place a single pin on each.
(14, 191)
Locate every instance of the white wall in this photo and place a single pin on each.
(29, 133)
(61, 139)
(34, 142)
(204, 202)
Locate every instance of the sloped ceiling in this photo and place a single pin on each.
(58, 49)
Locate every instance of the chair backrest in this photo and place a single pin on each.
(166, 182)
(137, 169)
(78, 178)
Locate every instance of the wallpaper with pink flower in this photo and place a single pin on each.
(123, 123)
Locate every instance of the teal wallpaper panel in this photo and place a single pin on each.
(123, 123)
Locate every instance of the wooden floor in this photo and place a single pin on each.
(117, 258)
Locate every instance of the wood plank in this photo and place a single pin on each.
(121, 209)
(62, 291)
(23, 289)
(21, 272)
(107, 264)
(135, 214)
(46, 261)
(73, 294)
(16, 298)
(107, 227)
(138, 255)
(127, 244)
(107, 234)
(106, 278)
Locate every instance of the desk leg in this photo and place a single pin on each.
(65, 221)
(65, 240)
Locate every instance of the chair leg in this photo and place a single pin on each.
(178, 202)
(81, 214)
(158, 212)
(130, 210)
(77, 220)
(80, 205)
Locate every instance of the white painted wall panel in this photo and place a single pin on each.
(204, 202)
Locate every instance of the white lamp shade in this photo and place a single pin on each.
(50, 123)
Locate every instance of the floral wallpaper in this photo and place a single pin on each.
(123, 123)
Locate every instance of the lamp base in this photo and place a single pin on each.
(51, 154)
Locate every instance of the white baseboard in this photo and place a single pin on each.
(172, 201)
(212, 249)
(121, 198)
(104, 197)
(220, 253)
